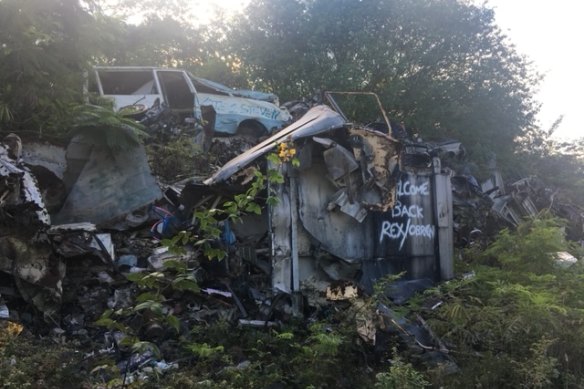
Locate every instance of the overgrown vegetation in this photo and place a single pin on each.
(178, 158)
(516, 320)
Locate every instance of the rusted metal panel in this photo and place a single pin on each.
(378, 154)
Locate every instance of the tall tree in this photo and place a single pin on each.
(44, 47)
(171, 35)
(441, 66)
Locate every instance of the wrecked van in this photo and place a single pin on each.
(138, 89)
(359, 205)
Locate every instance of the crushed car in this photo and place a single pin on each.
(144, 92)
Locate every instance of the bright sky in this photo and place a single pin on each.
(547, 32)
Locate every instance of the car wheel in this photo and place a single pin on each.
(251, 128)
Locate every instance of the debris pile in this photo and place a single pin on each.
(91, 243)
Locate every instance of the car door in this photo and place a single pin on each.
(178, 91)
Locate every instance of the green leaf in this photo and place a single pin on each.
(273, 158)
(253, 208)
(173, 322)
(285, 336)
(152, 306)
(104, 322)
(186, 284)
(173, 264)
(135, 277)
(203, 350)
(141, 347)
(275, 177)
(272, 201)
(149, 296)
(213, 253)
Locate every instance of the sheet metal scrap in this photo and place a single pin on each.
(317, 120)
(418, 336)
(345, 171)
(37, 273)
(106, 187)
(77, 239)
(375, 153)
(20, 197)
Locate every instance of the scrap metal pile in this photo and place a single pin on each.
(77, 224)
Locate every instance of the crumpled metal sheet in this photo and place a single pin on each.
(38, 274)
(48, 156)
(317, 120)
(32, 195)
(18, 187)
(339, 161)
(336, 232)
(366, 175)
(109, 186)
(80, 239)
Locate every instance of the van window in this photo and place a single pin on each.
(138, 82)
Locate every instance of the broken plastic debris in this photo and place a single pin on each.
(564, 259)
(438, 304)
(162, 366)
(104, 241)
(162, 254)
(105, 278)
(4, 312)
(257, 323)
(211, 291)
(127, 260)
(89, 227)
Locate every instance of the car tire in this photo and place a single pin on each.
(251, 128)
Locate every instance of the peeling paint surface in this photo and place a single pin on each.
(379, 157)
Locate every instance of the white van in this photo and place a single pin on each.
(237, 111)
